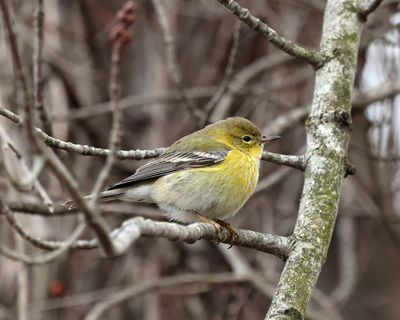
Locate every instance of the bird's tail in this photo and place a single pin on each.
(104, 196)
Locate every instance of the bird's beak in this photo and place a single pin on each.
(265, 139)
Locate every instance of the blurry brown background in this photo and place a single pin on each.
(360, 279)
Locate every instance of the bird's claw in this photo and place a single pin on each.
(218, 225)
(230, 229)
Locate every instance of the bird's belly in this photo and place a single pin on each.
(216, 192)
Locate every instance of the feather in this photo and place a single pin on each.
(171, 162)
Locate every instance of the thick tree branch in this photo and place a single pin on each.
(328, 133)
(313, 57)
(133, 229)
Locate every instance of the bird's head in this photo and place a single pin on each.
(242, 134)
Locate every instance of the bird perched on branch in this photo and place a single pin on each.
(205, 176)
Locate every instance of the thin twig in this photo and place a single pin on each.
(159, 284)
(59, 249)
(14, 54)
(16, 59)
(22, 285)
(216, 98)
(58, 168)
(122, 209)
(39, 243)
(168, 96)
(29, 175)
(313, 57)
(37, 69)
(238, 86)
(348, 264)
(114, 90)
(243, 269)
(172, 60)
(84, 149)
(367, 7)
(291, 161)
(243, 77)
(272, 179)
(385, 90)
(27, 97)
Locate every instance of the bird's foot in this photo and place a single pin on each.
(216, 225)
(230, 229)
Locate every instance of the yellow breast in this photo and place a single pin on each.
(216, 192)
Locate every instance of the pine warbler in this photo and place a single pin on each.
(205, 176)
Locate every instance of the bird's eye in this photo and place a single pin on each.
(246, 139)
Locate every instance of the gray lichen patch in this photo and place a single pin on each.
(328, 132)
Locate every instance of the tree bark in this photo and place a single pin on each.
(328, 133)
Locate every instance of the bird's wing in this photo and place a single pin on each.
(171, 162)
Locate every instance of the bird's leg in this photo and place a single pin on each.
(230, 229)
(216, 225)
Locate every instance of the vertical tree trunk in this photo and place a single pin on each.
(328, 132)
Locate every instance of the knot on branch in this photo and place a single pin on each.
(349, 169)
(243, 14)
(292, 313)
(341, 118)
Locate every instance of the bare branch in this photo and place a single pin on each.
(326, 154)
(167, 96)
(84, 149)
(291, 161)
(313, 57)
(15, 55)
(242, 268)
(367, 7)
(386, 90)
(296, 162)
(16, 59)
(237, 86)
(57, 249)
(37, 69)
(161, 283)
(348, 266)
(216, 98)
(120, 36)
(172, 60)
(244, 76)
(58, 168)
(42, 244)
(23, 285)
(276, 176)
(132, 229)
(121, 209)
(28, 108)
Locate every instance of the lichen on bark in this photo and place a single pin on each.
(328, 132)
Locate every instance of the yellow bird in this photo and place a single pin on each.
(205, 176)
